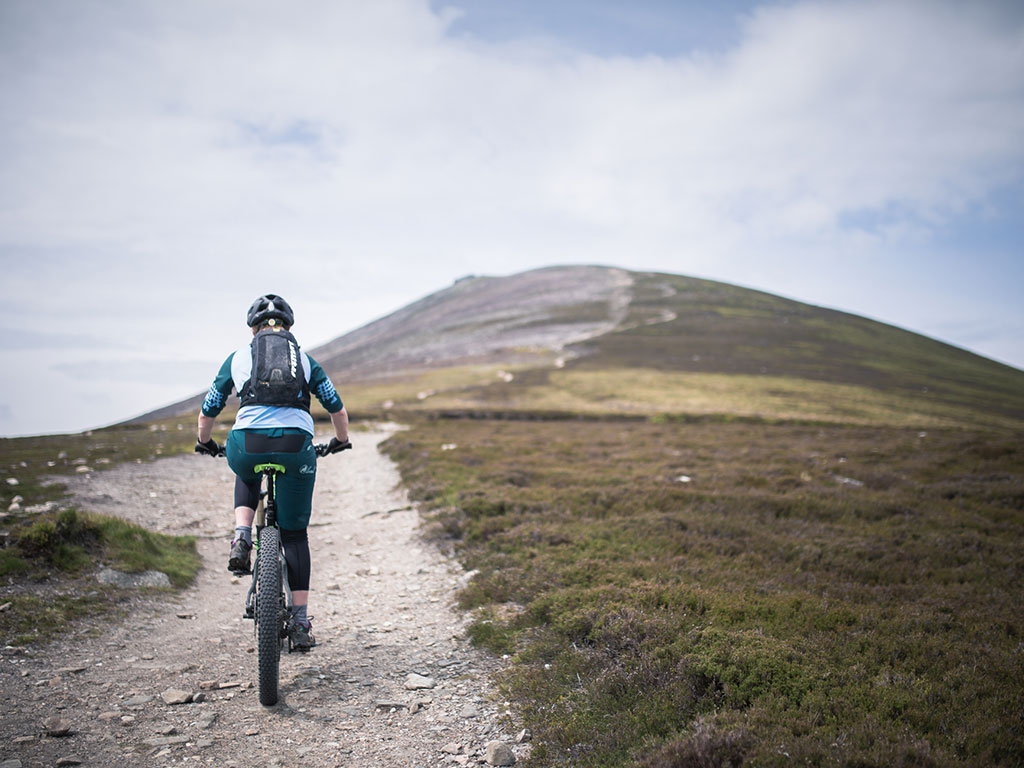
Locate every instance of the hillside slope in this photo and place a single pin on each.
(606, 341)
(719, 328)
(485, 319)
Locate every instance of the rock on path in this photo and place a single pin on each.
(174, 678)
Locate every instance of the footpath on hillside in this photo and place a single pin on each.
(392, 682)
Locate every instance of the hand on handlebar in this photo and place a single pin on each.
(335, 446)
(211, 448)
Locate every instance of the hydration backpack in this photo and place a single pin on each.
(277, 376)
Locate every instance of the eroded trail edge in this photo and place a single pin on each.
(382, 599)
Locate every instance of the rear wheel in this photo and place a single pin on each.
(268, 613)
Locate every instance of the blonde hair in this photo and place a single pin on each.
(271, 322)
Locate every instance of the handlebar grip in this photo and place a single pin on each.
(323, 449)
(205, 448)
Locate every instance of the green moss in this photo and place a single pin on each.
(59, 542)
(57, 548)
(132, 549)
(71, 541)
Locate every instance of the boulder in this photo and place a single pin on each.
(129, 580)
(499, 753)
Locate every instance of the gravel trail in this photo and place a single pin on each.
(382, 600)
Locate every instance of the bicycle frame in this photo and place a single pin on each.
(266, 514)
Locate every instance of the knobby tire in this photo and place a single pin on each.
(268, 614)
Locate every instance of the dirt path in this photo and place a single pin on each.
(382, 601)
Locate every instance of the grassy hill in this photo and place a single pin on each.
(656, 344)
(603, 341)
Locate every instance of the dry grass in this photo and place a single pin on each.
(651, 392)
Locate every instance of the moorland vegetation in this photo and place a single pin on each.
(728, 593)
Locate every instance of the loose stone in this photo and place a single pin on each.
(176, 696)
(499, 753)
(165, 741)
(131, 580)
(56, 727)
(416, 682)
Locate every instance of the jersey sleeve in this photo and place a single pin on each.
(321, 386)
(219, 390)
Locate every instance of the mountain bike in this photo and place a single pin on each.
(269, 599)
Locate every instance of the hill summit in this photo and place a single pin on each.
(606, 341)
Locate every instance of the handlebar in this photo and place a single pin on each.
(322, 449)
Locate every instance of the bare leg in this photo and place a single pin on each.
(244, 516)
(300, 597)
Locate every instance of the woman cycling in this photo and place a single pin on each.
(274, 380)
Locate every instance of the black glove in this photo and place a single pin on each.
(336, 445)
(210, 448)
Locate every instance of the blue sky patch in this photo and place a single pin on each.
(604, 27)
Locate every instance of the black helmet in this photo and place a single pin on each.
(268, 306)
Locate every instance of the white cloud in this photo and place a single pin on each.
(188, 155)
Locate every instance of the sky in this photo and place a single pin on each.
(162, 164)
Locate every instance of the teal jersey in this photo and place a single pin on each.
(233, 375)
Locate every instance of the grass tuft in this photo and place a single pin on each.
(59, 547)
(132, 549)
(70, 542)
